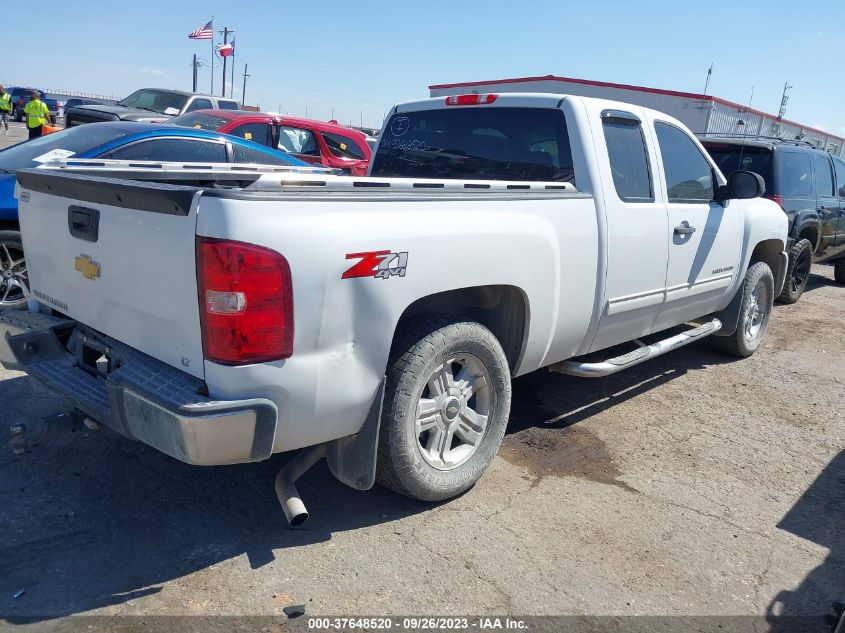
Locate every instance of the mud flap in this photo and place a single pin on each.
(352, 459)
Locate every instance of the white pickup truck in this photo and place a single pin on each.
(379, 321)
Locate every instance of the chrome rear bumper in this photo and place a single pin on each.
(134, 394)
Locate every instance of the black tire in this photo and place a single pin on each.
(839, 271)
(420, 347)
(10, 241)
(747, 338)
(17, 115)
(797, 271)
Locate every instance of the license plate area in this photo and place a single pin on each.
(94, 356)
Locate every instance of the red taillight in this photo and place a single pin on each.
(470, 99)
(246, 302)
(20, 101)
(776, 198)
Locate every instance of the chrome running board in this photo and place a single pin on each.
(644, 353)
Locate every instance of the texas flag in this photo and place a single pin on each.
(226, 50)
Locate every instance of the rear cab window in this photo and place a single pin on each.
(628, 156)
(227, 105)
(504, 143)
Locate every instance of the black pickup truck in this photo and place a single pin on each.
(149, 105)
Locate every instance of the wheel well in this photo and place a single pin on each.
(811, 233)
(501, 309)
(769, 251)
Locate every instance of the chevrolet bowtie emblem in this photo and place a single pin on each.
(87, 266)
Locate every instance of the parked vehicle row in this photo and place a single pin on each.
(312, 141)
(379, 321)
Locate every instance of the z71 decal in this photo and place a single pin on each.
(378, 264)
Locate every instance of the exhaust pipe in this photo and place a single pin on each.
(286, 491)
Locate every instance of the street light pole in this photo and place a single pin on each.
(226, 32)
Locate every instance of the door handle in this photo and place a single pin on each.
(684, 229)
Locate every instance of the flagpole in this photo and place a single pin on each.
(211, 89)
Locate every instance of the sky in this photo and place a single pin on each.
(354, 60)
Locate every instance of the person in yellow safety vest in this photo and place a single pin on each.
(36, 114)
(5, 108)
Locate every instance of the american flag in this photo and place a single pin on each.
(203, 33)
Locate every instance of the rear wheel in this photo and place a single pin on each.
(13, 277)
(446, 407)
(839, 271)
(797, 272)
(757, 296)
(17, 115)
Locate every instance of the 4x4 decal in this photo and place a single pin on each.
(378, 264)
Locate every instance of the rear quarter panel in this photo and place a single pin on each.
(344, 327)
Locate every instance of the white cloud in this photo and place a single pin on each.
(152, 71)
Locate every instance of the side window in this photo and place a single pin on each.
(297, 141)
(227, 105)
(824, 177)
(249, 155)
(840, 176)
(255, 132)
(628, 159)
(795, 174)
(689, 177)
(172, 149)
(343, 147)
(199, 104)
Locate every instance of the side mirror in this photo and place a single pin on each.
(742, 185)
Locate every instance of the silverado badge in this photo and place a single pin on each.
(87, 266)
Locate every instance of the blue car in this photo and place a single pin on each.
(123, 140)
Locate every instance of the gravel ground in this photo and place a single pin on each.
(694, 484)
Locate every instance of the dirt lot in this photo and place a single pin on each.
(694, 484)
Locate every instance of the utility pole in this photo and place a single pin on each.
(362, 118)
(194, 66)
(226, 32)
(232, 82)
(243, 93)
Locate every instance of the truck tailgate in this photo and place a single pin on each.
(117, 256)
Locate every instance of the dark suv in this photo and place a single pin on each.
(809, 184)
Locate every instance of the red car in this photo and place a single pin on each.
(326, 144)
